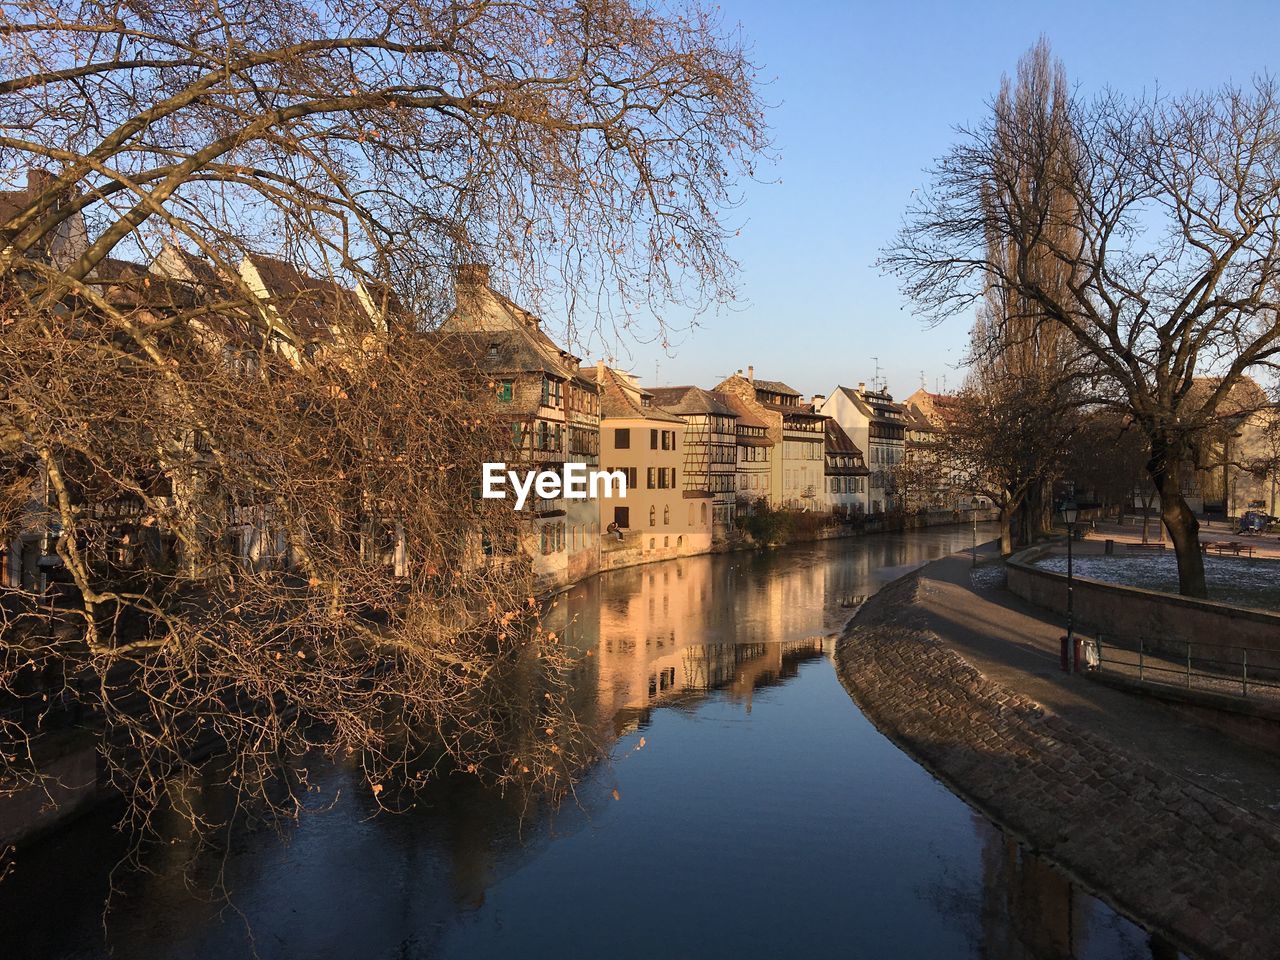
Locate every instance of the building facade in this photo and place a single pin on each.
(658, 518)
(553, 407)
(754, 472)
(710, 449)
(796, 430)
(846, 475)
(877, 426)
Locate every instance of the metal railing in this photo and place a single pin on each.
(1212, 667)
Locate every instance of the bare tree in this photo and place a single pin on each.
(1012, 338)
(1108, 457)
(1171, 245)
(1005, 432)
(254, 475)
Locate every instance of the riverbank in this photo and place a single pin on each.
(1173, 823)
(619, 555)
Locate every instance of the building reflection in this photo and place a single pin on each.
(668, 634)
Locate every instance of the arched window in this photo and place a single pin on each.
(703, 514)
(653, 516)
(679, 542)
(666, 516)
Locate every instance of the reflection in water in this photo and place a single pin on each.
(758, 814)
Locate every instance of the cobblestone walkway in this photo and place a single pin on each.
(1173, 855)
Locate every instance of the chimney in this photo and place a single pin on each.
(471, 275)
(818, 400)
(600, 372)
(469, 279)
(751, 374)
(862, 388)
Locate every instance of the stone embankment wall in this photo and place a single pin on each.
(1163, 621)
(1161, 849)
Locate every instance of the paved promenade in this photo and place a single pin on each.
(1175, 824)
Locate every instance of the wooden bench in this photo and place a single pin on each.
(1144, 546)
(1233, 547)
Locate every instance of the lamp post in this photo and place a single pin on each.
(973, 515)
(1069, 513)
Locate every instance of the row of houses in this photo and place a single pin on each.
(696, 459)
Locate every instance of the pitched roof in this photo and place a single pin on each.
(496, 351)
(775, 386)
(691, 401)
(746, 418)
(1244, 397)
(619, 400)
(484, 312)
(309, 304)
(874, 405)
(838, 442)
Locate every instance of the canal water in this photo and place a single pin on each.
(747, 809)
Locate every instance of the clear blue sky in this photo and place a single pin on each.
(866, 96)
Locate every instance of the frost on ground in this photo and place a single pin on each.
(1239, 580)
(989, 576)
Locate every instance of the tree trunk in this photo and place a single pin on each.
(1024, 522)
(1183, 527)
(1006, 530)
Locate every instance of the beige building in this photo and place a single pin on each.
(710, 449)
(797, 434)
(658, 519)
(1239, 459)
(754, 473)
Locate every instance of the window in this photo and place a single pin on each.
(653, 440)
(703, 514)
(666, 541)
(622, 439)
(653, 516)
(651, 477)
(666, 516)
(668, 439)
(622, 517)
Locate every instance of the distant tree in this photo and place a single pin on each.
(1003, 434)
(1170, 248)
(1108, 456)
(1013, 338)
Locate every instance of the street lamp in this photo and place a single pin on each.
(1069, 513)
(973, 515)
